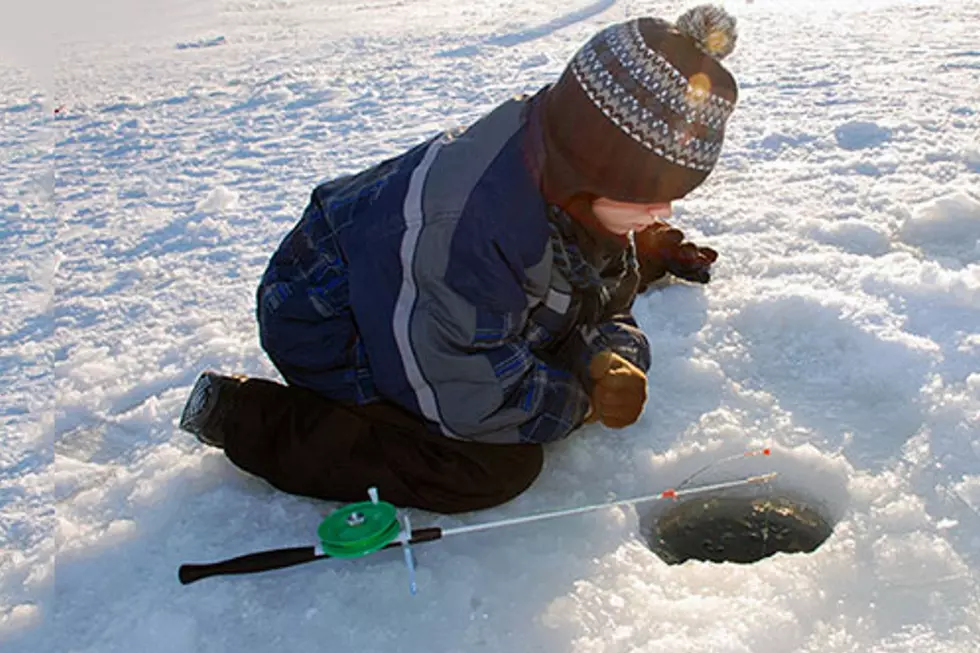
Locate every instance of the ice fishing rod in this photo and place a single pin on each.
(363, 528)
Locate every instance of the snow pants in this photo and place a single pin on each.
(306, 444)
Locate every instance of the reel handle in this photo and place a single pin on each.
(278, 559)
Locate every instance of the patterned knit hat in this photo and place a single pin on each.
(639, 114)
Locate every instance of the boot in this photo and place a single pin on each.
(208, 404)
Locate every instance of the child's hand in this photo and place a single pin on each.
(661, 249)
(620, 390)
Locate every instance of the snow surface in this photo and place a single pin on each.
(154, 153)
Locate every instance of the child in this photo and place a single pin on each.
(440, 316)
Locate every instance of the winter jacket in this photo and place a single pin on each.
(431, 280)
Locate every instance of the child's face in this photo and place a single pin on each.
(621, 218)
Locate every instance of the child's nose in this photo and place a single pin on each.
(662, 210)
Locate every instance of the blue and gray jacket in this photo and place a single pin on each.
(442, 281)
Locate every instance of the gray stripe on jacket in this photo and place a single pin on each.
(408, 294)
(443, 324)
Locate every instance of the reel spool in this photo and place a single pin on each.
(358, 529)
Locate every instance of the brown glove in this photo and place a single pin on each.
(619, 393)
(661, 249)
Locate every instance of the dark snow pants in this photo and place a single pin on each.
(305, 444)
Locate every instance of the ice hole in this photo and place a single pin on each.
(736, 529)
(793, 513)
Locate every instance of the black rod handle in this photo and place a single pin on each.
(248, 564)
(278, 559)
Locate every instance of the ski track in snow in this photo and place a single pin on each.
(143, 190)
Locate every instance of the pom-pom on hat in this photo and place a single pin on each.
(639, 113)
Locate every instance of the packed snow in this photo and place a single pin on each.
(156, 152)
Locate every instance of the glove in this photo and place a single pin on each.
(619, 392)
(661, 249)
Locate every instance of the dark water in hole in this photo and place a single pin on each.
(739, 530)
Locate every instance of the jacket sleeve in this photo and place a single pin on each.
(527, 399)
(619, 334)
(471, 368)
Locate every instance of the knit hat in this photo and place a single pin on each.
(639, 114)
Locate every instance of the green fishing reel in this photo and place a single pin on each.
(359, 529)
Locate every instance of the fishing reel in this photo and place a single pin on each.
(359, 529)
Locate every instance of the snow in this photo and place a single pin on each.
(156, 152)
(948, 227)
